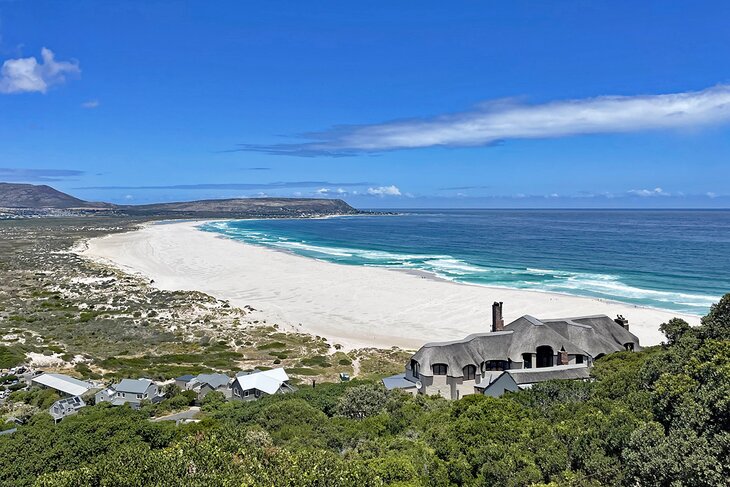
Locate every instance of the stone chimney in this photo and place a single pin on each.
(497, 320)
(563, 357)
(623, 322)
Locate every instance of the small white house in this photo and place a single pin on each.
(249, 386)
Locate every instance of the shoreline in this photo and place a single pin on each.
(355, 306)
(421, 272)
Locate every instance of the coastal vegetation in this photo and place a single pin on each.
(656, 417)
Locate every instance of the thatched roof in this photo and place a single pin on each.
(588, 335)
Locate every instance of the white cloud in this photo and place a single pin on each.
(381, 191)
(90, 104)
(507, 119)
(648, 192)
(710, 194)
(27, 75)
(323, 191)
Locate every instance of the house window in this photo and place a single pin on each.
(579, 359)
(414, 369)
(545, 356)
(245, 393)
(470, 372)
(139, 396)
(495, 365)
(629, 346)
(439, 369)
(527, 360)
(236, 392)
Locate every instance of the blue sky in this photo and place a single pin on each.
(386, 104)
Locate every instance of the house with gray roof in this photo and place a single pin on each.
(183, 380)
(202, 384)
(130, 391)
(462, 367)
(65, 407)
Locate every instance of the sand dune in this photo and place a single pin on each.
(354, 306)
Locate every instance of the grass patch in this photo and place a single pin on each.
(11, 356)
(301, 371)
(270, 346)
(316, 361)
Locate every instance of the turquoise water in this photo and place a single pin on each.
(672, 259)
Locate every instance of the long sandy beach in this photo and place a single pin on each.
(351, 305)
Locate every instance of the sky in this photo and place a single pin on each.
(413, 104)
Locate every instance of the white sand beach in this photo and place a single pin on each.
(351, 305)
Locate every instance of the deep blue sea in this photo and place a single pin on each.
(670, 259)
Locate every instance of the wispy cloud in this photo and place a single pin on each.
(501, 120)
(238, 186)
(27, 75)
(645, 193)
(90, 104)
(383, 191)
(333, 191)
(17, 174)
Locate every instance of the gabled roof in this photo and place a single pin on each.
(185, 378)
(66, 406)
(213, 380)
(542, 374)
(64, 383)
(268, 381)
(133, 386)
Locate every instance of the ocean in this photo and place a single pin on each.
(676, 260)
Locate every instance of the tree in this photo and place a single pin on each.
(362, 401)
(213, 400)
(681, 458)
(716, 324)
(674, 329)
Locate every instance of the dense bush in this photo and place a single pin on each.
(657, 417)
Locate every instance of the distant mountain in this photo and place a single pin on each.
(244, 207)
(29, 197)
(37, 197)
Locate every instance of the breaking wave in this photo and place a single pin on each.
(596, 285)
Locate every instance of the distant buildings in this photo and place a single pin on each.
(67, 386)
(514, 356)
(183, 380)
(246, 386)
(130, 391)
(249, 386)
(202, 384)
(66, 407)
